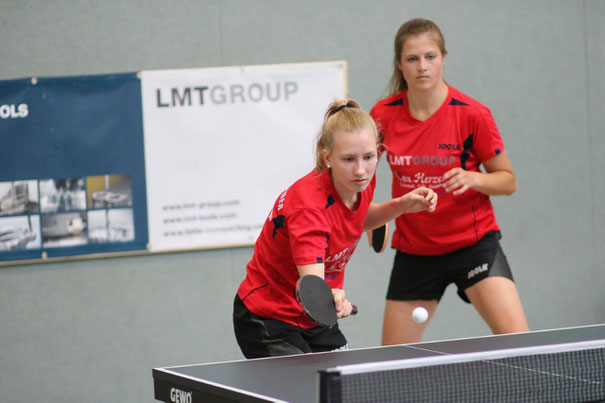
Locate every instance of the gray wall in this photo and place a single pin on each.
(92, 330)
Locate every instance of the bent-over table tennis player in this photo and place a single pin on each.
(312, 230)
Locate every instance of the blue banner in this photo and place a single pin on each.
(72, 167)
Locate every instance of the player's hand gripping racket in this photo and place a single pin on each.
(378, 238)
(317, 301)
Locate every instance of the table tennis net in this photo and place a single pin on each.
(570, 372)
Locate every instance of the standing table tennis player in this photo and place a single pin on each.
(438, 137)
(313, 229)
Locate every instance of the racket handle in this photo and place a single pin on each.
(354, 311)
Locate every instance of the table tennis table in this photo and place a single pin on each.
(301, 378)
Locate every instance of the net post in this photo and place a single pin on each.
(330, 388)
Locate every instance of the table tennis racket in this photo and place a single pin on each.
(379, 237)
(317, 301)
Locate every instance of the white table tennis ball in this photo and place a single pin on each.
(420, 315)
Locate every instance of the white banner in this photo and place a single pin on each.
(222, 143)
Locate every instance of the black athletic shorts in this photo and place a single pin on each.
(261, 337)
(417, 277)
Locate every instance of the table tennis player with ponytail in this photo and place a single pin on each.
(312, 230)
(455, 147)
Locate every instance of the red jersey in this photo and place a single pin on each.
(462, 133)
(308, 224)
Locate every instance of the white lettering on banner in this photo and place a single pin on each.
(14, 111)
(231, 94)
(180, 396)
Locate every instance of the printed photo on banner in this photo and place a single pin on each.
(67, 229)
(60, 195)
(109, 191)
(20, 197)
(20, 233)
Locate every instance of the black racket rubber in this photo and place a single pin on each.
(316, 299)
(380, 236)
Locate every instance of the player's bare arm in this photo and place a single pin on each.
(417, 200)
(498, 178)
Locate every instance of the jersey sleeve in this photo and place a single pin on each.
(309, 234)
(488, 142)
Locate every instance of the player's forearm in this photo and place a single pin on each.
(381, 213)
(496, 183)
(316, 269)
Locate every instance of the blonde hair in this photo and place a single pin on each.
(341, 115)
(413, 27)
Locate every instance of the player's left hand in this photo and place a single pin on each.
(458, 180)
(343, 306)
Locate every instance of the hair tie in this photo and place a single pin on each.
(338, 109)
